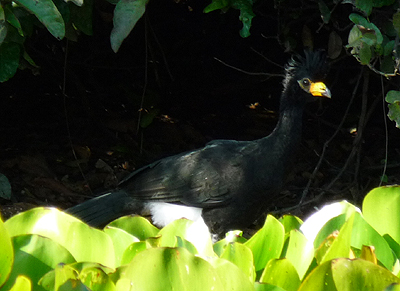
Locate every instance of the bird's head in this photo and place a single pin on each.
(304, 76)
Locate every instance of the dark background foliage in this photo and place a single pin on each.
(88, 115)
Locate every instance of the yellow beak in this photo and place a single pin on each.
(320, 89)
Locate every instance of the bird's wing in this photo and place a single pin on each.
(201, 178)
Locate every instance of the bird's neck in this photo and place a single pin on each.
(287, 134)
(288, 129)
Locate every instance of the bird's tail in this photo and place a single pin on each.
(101, 210)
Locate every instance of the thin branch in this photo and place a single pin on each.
(248, 73)
(267, 59)
(144, 85)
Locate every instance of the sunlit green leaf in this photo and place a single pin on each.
(170, 269)
(381, 208)
(35, 256)
(346, 274)
(267, 243)
(22, 283)
(135, 225)
(88, 244)
(195, 232)
(281, 273)
(393, 287)
(300, 252)
(231, 276)
(365, 235)
(6, 254)
(121, 241)
(242, 257)
(132, 250)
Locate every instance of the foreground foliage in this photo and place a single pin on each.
(338, 248)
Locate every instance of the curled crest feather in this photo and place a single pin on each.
(313, 65)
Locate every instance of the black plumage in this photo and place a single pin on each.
(230, 182)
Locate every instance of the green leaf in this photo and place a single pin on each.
(369, 39)
(394, 113)
(354, 38)
(121, 241)
(365, 235)
(242, 257)
(35, 256)
(326, 221)
(393, 287)
(6, 254)
(81, 17)
(230, 237)
(381, 209)
(62, 274)
(195, 232)
(77, 2)
(358, 19)
(381, 3)
(366, 26)
(5, 188)
(246, 15)
(281, 273)
(346, 274)
(68, 277)
(246, 12)
(231, 275)
(300, 252)
(267, 287)
(169, 269)
(392, 96)
(325, 12)
(12, 19)
(126, 15)
(47, 13)
(267, 243)
(88, 244)
(365, 5)
(135, 225)
(388, 48)
(133, 250)
(9, 60)
(3, 27)
(290, 222)
(96, 279)
(365, 54)
(394, 246)
(339, 245)
(215, 5)
(22, 283)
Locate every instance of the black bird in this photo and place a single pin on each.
(229, 183)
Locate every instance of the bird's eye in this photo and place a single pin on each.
(305, 82)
